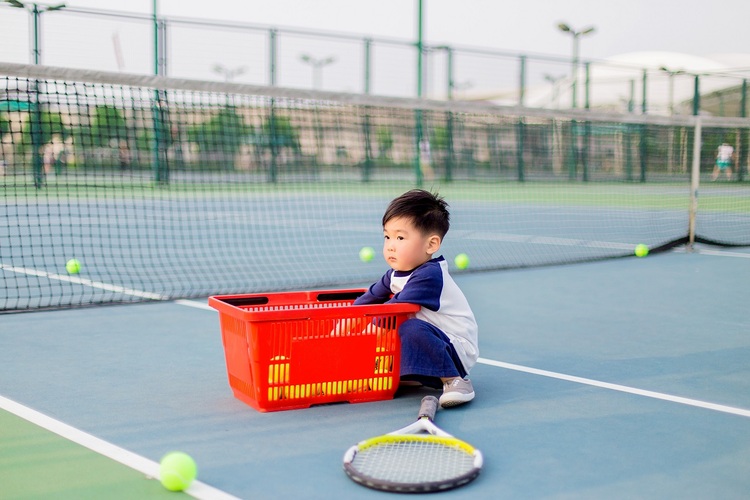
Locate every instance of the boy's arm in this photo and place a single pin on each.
(378, 293)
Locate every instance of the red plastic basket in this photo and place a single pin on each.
(296, 349)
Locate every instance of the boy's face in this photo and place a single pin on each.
(405, 247)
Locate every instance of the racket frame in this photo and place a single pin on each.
(422, 430)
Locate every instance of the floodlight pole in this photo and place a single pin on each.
(229, 74)
(576, 41)
(317, 67)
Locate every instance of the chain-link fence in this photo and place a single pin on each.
(296, 58)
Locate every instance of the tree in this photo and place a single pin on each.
(282, 134)
(225, 131)
(4, 125)
(108, 126)
(50, 124)
(221, 136)
(384, 136)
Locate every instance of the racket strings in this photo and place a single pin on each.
(414, 461)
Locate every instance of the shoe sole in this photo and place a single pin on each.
(455, 401)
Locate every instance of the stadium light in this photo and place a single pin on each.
(671, 74)
(317, 67)
(229, 74)
(576, 34)
(36, 13)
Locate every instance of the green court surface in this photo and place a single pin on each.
(37, 463)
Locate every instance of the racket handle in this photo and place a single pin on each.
(429, 407)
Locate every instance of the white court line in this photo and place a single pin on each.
(719, 253)
(621, 388)
(83, 281)
(141, 464)
(546, 240)
(193, 303)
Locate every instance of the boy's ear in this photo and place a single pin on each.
(433, 244)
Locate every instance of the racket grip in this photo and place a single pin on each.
(429, 407)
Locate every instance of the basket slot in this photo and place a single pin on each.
(246, 301)
(340, 296)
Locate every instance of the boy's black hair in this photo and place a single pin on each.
(428, 211)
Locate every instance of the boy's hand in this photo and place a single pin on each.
(351, 326)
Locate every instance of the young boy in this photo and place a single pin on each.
(439, 344)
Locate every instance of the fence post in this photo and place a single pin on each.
(586, 126)
(744, 137)
(520, 142)
(367, 166)
(644, 135)
(368, 63)
(697, 96)
(418, 113)
(449, 160)
(522, 81)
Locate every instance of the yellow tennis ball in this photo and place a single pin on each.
(73, 266)
(366, 254)
(177, 470)
(278, 373)
(462, 261)
(641, 250)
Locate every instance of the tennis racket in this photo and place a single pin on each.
(420, 457)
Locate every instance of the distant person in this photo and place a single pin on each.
(425, 160)
(723, 161)
(124, 155)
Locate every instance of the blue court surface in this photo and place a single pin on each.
(626, 378)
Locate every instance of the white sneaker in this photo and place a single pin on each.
(457, 391)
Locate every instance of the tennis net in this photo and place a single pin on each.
(166, 188)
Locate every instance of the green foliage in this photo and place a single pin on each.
(107, 125)
(50, 123)
(278, 131)
(4, 124)
(439, 139)
(224, 132)
(384, 136)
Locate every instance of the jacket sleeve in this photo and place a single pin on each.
(378, 293)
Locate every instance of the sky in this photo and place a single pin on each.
(692, 26)
(698, 28)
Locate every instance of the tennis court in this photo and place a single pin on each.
(624, 378)
(601, 374)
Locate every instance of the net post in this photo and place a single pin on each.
(694, 182)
